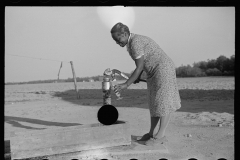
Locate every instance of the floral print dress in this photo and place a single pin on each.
(163, 94)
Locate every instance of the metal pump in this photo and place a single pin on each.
(109, 76)
(107, 86)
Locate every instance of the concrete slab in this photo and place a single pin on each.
(136, 148)
(69, 139)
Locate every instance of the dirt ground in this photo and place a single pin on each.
(206, 115)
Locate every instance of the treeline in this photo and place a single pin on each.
(222, 66)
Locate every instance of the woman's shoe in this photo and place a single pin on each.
(145, 137)
(154, 141)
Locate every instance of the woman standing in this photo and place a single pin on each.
(163, 94)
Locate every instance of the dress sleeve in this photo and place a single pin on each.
(137, 49)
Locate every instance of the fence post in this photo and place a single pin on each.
(74, 78)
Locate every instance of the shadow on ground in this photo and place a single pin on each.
(15, 122)
(193, 101)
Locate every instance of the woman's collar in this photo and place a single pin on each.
(129, 39)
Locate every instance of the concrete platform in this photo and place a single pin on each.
(132, 150)
(68, 139)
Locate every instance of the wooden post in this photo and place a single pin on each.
(74, 78)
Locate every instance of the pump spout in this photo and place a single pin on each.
(125, 76)
(112, 73)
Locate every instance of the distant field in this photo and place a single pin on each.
(46, 91)
(206, 83)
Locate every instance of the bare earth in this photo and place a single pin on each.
(206, 115)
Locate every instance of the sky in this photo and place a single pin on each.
(82, 35)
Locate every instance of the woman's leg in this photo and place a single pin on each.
(154, 122)
(164, 120)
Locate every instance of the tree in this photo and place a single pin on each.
(227, 65)
(211, 64)
(221, 63)
(232, 62)
(213, 72)
(202, 65)
(188, 71)
(197, 72)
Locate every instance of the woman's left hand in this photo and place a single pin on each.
(120, 87)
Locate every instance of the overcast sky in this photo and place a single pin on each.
(81, 35)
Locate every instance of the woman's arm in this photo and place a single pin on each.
(139, 67)
(138, 52)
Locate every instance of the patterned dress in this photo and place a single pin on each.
(163, 94)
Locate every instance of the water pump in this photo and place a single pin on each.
(107, 86)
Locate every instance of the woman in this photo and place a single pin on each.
(163, 94)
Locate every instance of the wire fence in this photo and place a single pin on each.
(41, 59)
(37, 58)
